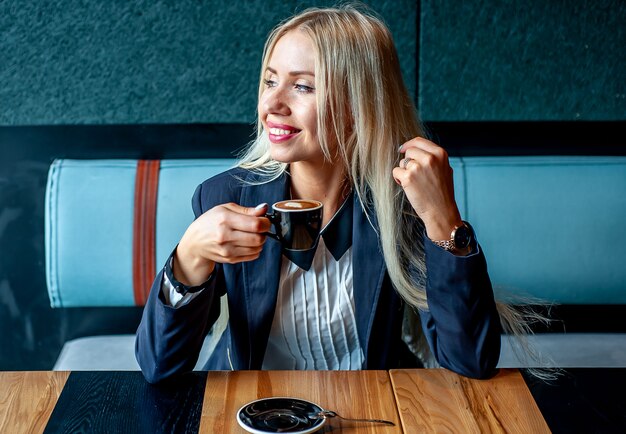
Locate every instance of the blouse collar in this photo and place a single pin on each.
(337, 236)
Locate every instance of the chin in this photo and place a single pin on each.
(282, 160)
(280, 156)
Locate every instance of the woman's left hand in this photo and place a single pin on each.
(426, 177)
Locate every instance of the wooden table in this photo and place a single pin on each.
(27, 399)
(416, 400)
(356, 394)
(437, 400)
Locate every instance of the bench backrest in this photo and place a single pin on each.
(551, 227)
(94, 230)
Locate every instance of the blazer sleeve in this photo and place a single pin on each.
(462, 325)
(168, 339)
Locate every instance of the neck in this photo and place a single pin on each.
(327, 184)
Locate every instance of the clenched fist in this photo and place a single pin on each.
(227, 234)
(426, 177)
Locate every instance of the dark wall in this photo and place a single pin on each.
(536, 60)
(148, 61)
(185, 61)
(174, 79)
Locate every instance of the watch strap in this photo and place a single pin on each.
(450, 245)
(445, 244)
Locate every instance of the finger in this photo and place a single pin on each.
(233, 251)
(249, 220)
(416, 166)
(415, 154)
(400, 176)
(259, 210)
(404, 163)
(424, 157)
(248, 239)
(423, 144)
(255, 225)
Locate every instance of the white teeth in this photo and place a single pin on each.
(281, 132)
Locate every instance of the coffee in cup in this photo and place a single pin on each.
(296, 205)
(297, 223)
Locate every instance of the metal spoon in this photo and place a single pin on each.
(328, 413)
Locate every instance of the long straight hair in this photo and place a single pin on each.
(364, 109)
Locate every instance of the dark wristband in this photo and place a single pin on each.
(179, 287)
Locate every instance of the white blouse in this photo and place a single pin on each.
(314, 324)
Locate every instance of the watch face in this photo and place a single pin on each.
(462, 237)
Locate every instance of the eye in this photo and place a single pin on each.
(304, 88)
(269, 83)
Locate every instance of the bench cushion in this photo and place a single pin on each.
(110, 353)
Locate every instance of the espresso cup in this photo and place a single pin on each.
(297, 223)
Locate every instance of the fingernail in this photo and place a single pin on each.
(400, 148)
(259, 206)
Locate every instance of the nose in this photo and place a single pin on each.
(275, 102)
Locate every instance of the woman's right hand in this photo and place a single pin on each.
(228, 234)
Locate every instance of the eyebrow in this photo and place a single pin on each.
(293, 73)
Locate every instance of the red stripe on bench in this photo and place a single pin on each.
(144, 228)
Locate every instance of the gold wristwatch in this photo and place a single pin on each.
(460, 238)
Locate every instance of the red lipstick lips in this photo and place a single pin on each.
(280, 132)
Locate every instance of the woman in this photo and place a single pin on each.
(332, 111)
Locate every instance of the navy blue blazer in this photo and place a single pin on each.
(462, 325)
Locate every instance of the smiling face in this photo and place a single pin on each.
(288, 105)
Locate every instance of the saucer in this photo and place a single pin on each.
(280, 415)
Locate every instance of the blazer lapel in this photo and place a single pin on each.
(261, 276)
(368, 270)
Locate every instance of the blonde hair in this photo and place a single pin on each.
(364, 108)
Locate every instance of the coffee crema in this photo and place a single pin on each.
(297, 205)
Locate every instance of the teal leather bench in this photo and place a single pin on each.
(98, 250)
(551, 228)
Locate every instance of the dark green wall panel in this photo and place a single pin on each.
(522, 60)
(182, 61)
